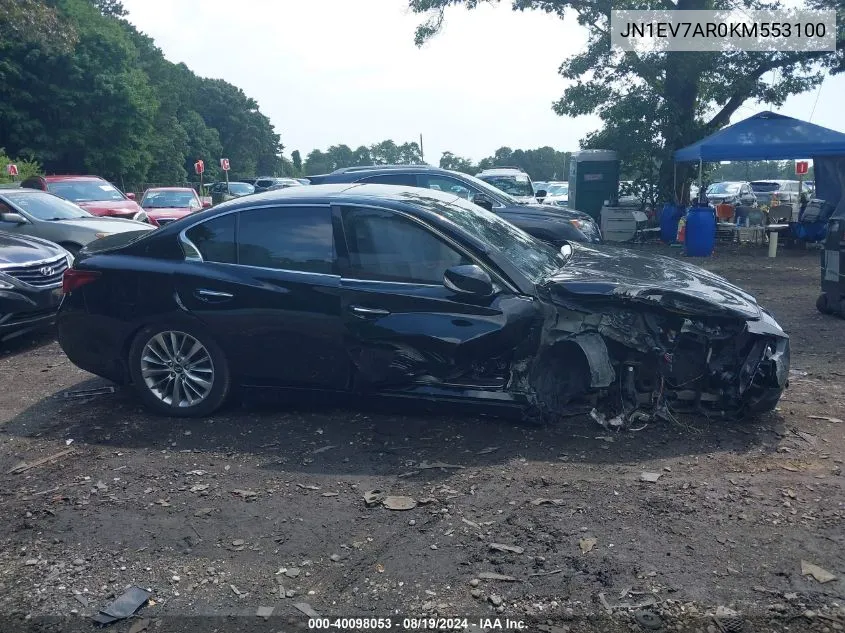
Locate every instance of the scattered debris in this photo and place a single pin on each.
(491, 575)
(488, 450)
(25, 466)
(426, 501)
(729, 620)
(650, 477)
(317, 451)
(292, 572)
(587, 544)
(87, 393)
(246, 495)
(826, 418)
(648, 620)
(264, 612)
(600, 418)
(427, 466)
(202, 512)
(399, 503)
(235, 590)
(69, 441)
(821, 575)
(307, 486)
(238, 542)
(472, 524)
(199, 487)
(543, 501)
(335, 558)
(500, 547)
(121, 608)
(305, 608)
(495, 600)
(546, 573)
(373, 497)
(139, 626)
(329, 494)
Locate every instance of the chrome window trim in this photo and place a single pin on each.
(440, 235)
(497, 204)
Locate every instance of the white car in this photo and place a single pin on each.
(513, 181)
(557, 194)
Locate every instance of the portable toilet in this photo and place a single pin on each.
(593, 178)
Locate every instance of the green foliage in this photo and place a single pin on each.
(109, 103)
(296, 161)
(26, 168)
(457, 163)
(653, 104)
(383, 153)
(756, 170)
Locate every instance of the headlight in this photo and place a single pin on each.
(101, 235)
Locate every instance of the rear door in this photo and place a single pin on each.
(402, 326)
(267, 286)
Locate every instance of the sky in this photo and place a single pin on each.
(328, 72)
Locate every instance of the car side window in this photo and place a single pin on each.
(407, 180)
(385, 246)
(215, 239)
(450, 185)
(287, 238)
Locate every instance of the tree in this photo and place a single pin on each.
(26, 168)
(296, 159)
(34, 22)
(457, 163)
(652, 104)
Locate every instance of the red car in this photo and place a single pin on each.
(92, 193)
(165, 204)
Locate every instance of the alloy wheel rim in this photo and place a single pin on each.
(177, 369)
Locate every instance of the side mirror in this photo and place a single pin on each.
(542, 193)
(13, 218)
(483, 201)
(131, 196)
(468, 279)
(206, 204)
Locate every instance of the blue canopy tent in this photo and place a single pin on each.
(771, 136)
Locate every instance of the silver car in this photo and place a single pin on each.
(41, 214)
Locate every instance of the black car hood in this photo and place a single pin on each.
(544, 211)
(647, 278)
(17, 249)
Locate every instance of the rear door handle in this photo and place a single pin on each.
(368, 313)
(203, 294)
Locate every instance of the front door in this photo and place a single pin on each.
(402, 326)
(268, 285)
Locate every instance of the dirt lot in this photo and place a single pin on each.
(261, 506)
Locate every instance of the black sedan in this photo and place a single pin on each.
(31, 271)
(406, 292)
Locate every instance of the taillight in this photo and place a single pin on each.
(73, 279)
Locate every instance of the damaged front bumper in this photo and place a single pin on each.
(643, 363)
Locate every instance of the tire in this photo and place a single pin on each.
(172, 385)
(822, 304)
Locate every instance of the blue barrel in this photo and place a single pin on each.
(669, 218)
(701, 231)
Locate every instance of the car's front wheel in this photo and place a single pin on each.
(179, 371)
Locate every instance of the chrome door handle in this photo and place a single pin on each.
(212, 295)
(368, 312)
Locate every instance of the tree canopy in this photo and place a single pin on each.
(81, 90)
(652, 104)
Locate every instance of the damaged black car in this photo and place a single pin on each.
(412, 293)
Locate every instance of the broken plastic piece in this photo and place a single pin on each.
(121, 608)
(87, 393)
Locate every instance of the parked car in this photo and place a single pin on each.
(41, 214)
(165, 204)
(31, 271)
(266, 184)
(730, 192)
(552, 224)
(303, 181)
(513, 181)
(92, 193)
(774, 192)
(402, 292)
(223, 191)
(539, 185)
(557, 194)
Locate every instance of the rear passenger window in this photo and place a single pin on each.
(215, 239)
(287, 238)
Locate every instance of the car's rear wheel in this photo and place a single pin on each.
(179, 371)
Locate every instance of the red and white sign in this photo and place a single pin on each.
(224, 164)
(802, 167)
(12, 170)
(199, 167)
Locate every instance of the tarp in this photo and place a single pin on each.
(766, 136)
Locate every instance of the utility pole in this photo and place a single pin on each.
(422, 152)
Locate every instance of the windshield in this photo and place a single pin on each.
(534, 259)
(84, 190)
(44, 206)
(558, 190)
(723, 187)
(516, 185)
(162, 199)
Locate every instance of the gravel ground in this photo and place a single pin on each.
(262, 505)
